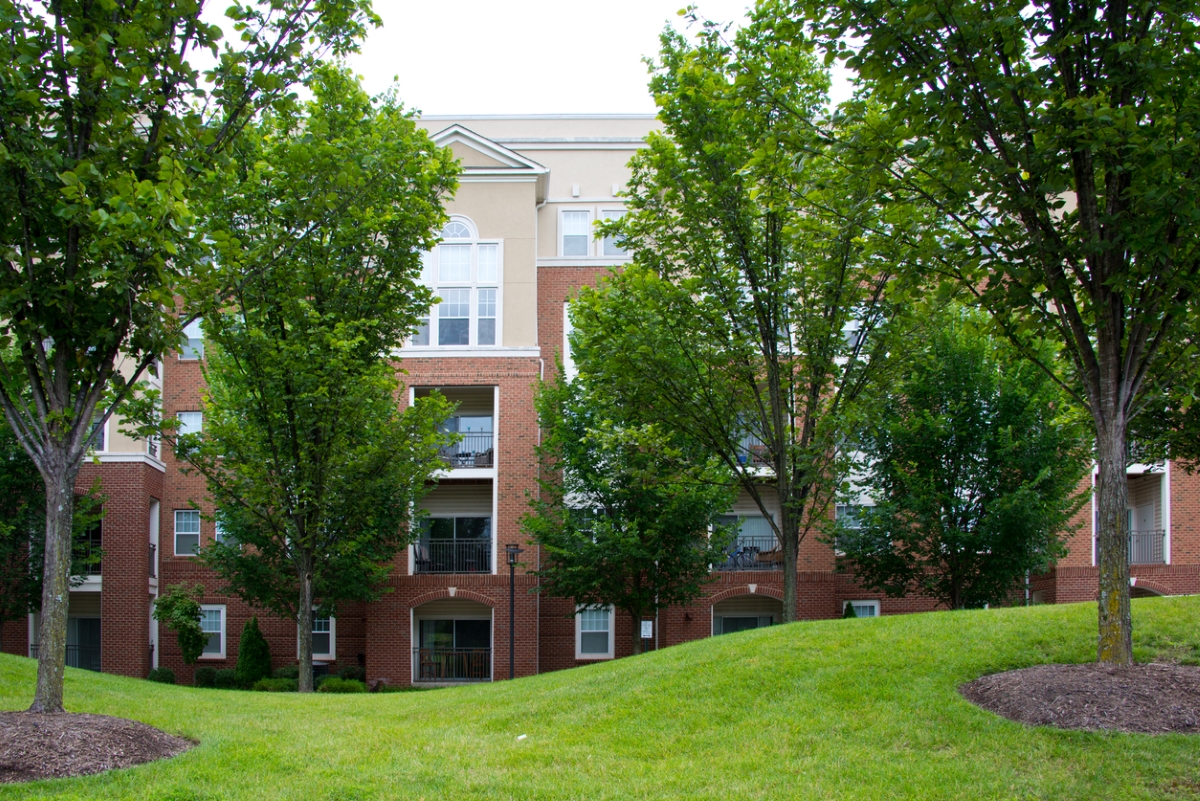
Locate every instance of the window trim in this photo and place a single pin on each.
(323, 657)
(601, 216)
(188, 352)
(430, 278)
(612, 633)
(562, 230)
(224, 630)
(865, 602)
(179, 417)
(199, 533)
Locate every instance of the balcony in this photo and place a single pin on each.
(475, 449)
(753, 553)
(452, 664)
(86, 657)
(751, 452)
(453, 556)
(1145, 547)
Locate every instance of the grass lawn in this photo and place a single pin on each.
(842, 709)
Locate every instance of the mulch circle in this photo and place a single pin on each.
(36, 746)
(1150, 699)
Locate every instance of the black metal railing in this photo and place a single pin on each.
(452, 664)
(475, 449)
(153, 560)
(453, 556)
(753, 553)
(1145, 547)
(78, 656)
(89, 551)
(752, 452)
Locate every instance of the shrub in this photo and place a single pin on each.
(288, 672)
(334, 684)
(162, 676)
(280, 685)
(353, 672)
(848, 611)
(319, 680)
(206, 676)
(254, 655)
(226, 679)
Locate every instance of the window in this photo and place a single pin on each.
(323, 643)
(610, 246)
(593, 633)
(849, 515)
(190, 422)
(212, 623)
(454, 545)
(220, 535)
(863, 608)
(194, 348)
(576, 233)
(100, 432)
(187, 532)
(464, 274)
(728, 625)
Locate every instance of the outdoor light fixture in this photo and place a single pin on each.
(513, 552)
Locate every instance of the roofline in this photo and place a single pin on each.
(443, 117)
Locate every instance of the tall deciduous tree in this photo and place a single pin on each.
(107, 133)
(752, 314)
(974, 462)
(624, 514)
(1058, 140)
(313, 468)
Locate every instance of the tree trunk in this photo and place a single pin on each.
(304, 621)
(790, 530)
(56, 589)
(1115, 645)
(637, 632)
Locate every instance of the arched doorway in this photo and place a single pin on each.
(452, 642)
(746, 612)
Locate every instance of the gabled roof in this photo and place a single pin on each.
(493, 160)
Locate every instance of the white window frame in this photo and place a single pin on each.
(103, 443)
(603, 216)
(175, 536)
(562, 230)
(431, 278)
(612, 633)
(872, 603)
(189, 352)
(224, 629)
(332, 655)
(199, 416)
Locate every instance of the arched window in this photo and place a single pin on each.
(464, 271)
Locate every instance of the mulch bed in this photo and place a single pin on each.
(53, 746)
(1151, 699)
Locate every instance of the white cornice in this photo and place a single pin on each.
(416, 352)
(132, 458)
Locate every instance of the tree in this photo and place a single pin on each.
(754, 311)
(254, 655)
(312, 467)
(624, 513)
(108, 142)
(974, 465)
(1057, 142)
(179, 609)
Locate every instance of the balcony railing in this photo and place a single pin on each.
(453, 556)
(753, 553)
(1145, 547)
(475, 449)
(452, 664)
(89, 551)
(78, 656)
(753, 453)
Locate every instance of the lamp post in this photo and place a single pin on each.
(513, 551)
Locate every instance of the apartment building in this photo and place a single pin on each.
(518, 244)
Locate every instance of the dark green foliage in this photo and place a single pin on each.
(226, 679)
(254, 655)
(353, 672)
(205, 676)
(275, 685)
(162, 675)
(635, 531)
(974, 462)
(313, 467)
(334, 684)
(848, 612)
(179, 608)
(287, 672)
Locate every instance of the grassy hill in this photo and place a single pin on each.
(843, 709)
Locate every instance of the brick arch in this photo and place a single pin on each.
(1150, 586)
(733, 592)
(437, 595)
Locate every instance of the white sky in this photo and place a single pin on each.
(525, 56)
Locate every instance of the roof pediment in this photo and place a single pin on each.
(480, 153)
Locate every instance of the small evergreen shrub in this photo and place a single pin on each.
(334, 684)
(275, 686)
(206, 676)
(848, 612)
(226, 679)
(162, 676)
(254, 655)
(288, 672)
(354, 673)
